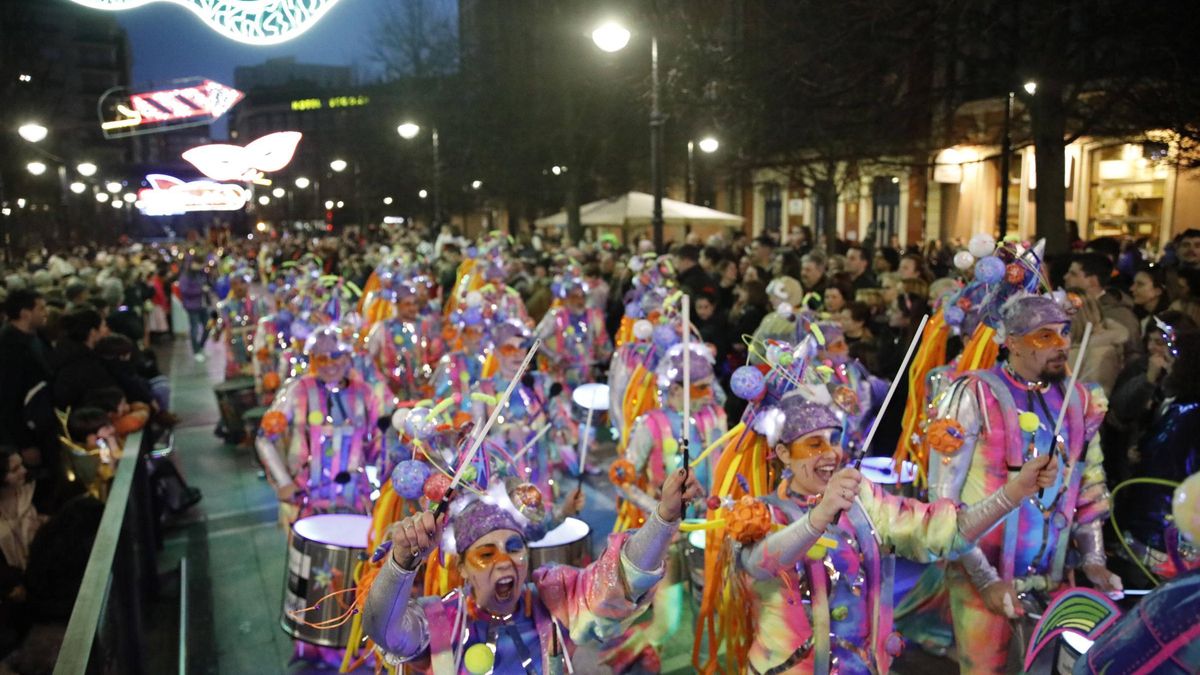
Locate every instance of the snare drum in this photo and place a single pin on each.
(322, 554)
(250, 421)
(234, 397)
(882, 472)
(569, 544)
(1071, 648)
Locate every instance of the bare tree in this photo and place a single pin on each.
(415, 38)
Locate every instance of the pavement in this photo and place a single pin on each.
(235, 550)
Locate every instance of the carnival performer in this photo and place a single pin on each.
(320, 434)
(504, 300)
(460, 369)
(850, 375)
(507, 618)
(821, 586)
(237, 317)
(990, 421)
(574, 337)
(406, 346)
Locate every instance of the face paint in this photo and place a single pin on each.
(509, 350)
(320, 361)
(811, 446)
(701, 389)
(489, 555)
(1047, 338)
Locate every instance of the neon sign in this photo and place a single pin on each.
(169, 196)
(195, 102)
(305, 104)
(254, 22)
(222, 161)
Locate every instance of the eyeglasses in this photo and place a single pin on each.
(489, 555)
(1047, 338)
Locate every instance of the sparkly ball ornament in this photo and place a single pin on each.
(989, 270)
(643, 329)
(945, 436)
(749, 520)
(526, 495)
(774, 352)
(1028, 422)
(982, 245)
(1185, 506)
(398, 419)
(665, 336)
(963, 260)
(954, 315)
(748, 383)
(474, 299)
(634, 311)
(636, 264)
(1014, 273)
(436, 486)
(473, 316)
(408, 478)
(420, 423)
(271, 381)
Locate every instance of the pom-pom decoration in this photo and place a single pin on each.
(634, 310)
(665, 336)
(989, 270)
(436, 486)
(749, 520)
(945, 436)
(271, 381)
(474, 299)
(1029, 422)
(1014, 273)
(409, 477)
(398, 419)
(643, 329)
(473, 316)
(526, 495)
(420, 423)
(622, 472)
(274, 423)
(845, 398)
(963, 260)
(982, 245)
(954, 315)
(748, 383)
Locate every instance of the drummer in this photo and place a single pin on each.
(406, 347)
(575, 337)
(320, 434)
(237, 317)
(513, 619)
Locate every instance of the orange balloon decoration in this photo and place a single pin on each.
(271, 381)
(622, 472)
(749, 521)
(274, 423)
(945, 436)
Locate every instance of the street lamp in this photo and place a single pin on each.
(264, 200)
(86, 169)
(476, 184)
(1030, 87)
(78, 188)
(387, 201)
(707, 145)
(36, 168)
(611, 37)
(328, 204)
(33, 132)
(338, 165)
(303, 182)
(113, 187)
(101, 197)
(278, 193)
(423, 193)
(409, 131)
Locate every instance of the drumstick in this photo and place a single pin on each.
(1062, 411)
(685, 426)
(483, 431)
(912, 346)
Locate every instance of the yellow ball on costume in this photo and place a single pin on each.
(670, 446)
(1185, 506)
(817, 552)
(1029, 422)
(315, 417)
(479, 659)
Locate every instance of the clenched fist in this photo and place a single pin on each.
(839, 495)
(414, 537)
(1036, 474)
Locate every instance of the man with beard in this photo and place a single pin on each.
(990, 422)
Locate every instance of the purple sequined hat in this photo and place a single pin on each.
(1026, 313)
(479, 519)
(510, 329)
(670, 368)
(801, 417)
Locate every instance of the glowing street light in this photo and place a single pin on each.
(476, 184)
(278, 193)
(340, 203)
(261, 226)
(21, 202)
(303, 182)
(78, 188)
(338, 165)
(557, 170)
(264, 200)
(1030, 87)
(33, 132)
(611, 36)
(113, 187)
(709, 145)
(423, 193)
(86, 169)
(36, 168)
(129, 197)
(387, 201)
(408, 130)
(117, 203)
(101, 197)
(328, 204)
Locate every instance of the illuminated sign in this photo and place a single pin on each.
(195, 102)
(221, 161)
(169, 196)
(255, 22)
(306, 104)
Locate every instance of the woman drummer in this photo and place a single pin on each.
(508, 618)
(821, 585)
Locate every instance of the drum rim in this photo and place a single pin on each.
(327, 544)
(586, 533)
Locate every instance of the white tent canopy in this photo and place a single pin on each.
(636, 209)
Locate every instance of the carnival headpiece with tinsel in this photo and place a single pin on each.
(670, 367)
(1024, 313)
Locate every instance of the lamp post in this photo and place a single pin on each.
(612, 37)
(1030, 88)
(707, 145)
(409, 131)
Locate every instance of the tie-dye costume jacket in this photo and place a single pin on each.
(238, 319)
(831, 610)
(654, 442)
(405, 353)
(573, 344)
(331, 438)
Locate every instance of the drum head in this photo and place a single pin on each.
(881, 470)
(346, 530)
(592, 396)
(696, 539)
(571, 530)
(235, 384)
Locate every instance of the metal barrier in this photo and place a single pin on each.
(105, 633)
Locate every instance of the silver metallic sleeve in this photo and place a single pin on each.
(640, 499)
(975, 520)
(647, 548)
(948, 474)
(1089, 539)
(780, 550)
(391, 618)
(978, 569)
(274, 464)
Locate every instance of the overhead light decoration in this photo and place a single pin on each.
(78, 188)
(192, 102)
(260, 22)
(86, 169)
(226, 162)
(169, 196)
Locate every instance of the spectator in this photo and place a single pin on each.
(914, 266)
(76, 295)
(855, 320)
(24, 365)
(713, 327)
(1187, 248)
(193, 295)
(690, 275)
(1088, 274)
(812, 273)
(838, 293)
(77, 368)
(727, 282)
(886, 260)
(762, 253)
(1149, 291)
(19, 523)
(858, 265)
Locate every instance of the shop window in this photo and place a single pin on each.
(772, 207)
(885, 207)
(1128, 184)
